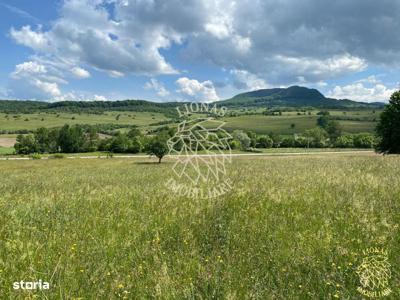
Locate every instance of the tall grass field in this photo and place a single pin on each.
(291, 228)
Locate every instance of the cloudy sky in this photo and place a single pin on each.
(198, 50)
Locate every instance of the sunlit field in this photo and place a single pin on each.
(291, 228)
(358, 121)
(281, 124)
(34, 121)
(6, 151)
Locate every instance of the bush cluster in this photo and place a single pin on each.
(312, 138)
(81, 139)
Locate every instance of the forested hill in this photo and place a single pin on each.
(124, 105)
(294, 96)
(13, 106)
(21, 106)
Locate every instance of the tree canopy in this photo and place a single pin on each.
(158, 146)
(388, 128)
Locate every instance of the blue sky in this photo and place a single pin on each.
(197, 50)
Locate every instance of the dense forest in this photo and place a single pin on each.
(14, 106)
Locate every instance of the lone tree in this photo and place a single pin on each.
(243, 139)
(388, 128)
(158, 146)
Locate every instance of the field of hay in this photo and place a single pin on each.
(291, 228)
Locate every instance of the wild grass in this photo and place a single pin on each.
(6, 150)
(258, 123)
(292, 228)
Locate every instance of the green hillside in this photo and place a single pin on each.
(14, 122)
(294, 96)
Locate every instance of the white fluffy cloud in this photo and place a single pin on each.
(314, 70)
(235, 35)
(80, 73)
(49, 88)
(33, 39)
(86, 34)
(198, 91)
(79, 96)
(157, 86)
(41, 81)
(99, 98)
(29, 67)
(275, 41)
(34, 77)
(246, 80)
(360, 91)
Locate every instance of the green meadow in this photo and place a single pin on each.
(351, 121)
(49, 120)
(291, 228)
(4, 150)
(360, 121)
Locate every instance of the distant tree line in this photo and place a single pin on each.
(18, 131)
(168, 109)
(85, 138)
(81, 139)
(312, 138)
(327, 133)
(94, 107)
(17, 106)
(67, 139)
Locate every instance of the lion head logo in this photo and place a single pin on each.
(201, 150)
(199, 147)
(374, 273)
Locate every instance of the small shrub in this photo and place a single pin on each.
(288, 142)
(264, 141)
(345, 141)
(234, 144)
(35, 156)
(364, 140)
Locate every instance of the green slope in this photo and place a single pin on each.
(294, 96)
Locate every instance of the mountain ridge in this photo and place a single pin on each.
(294, 96)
